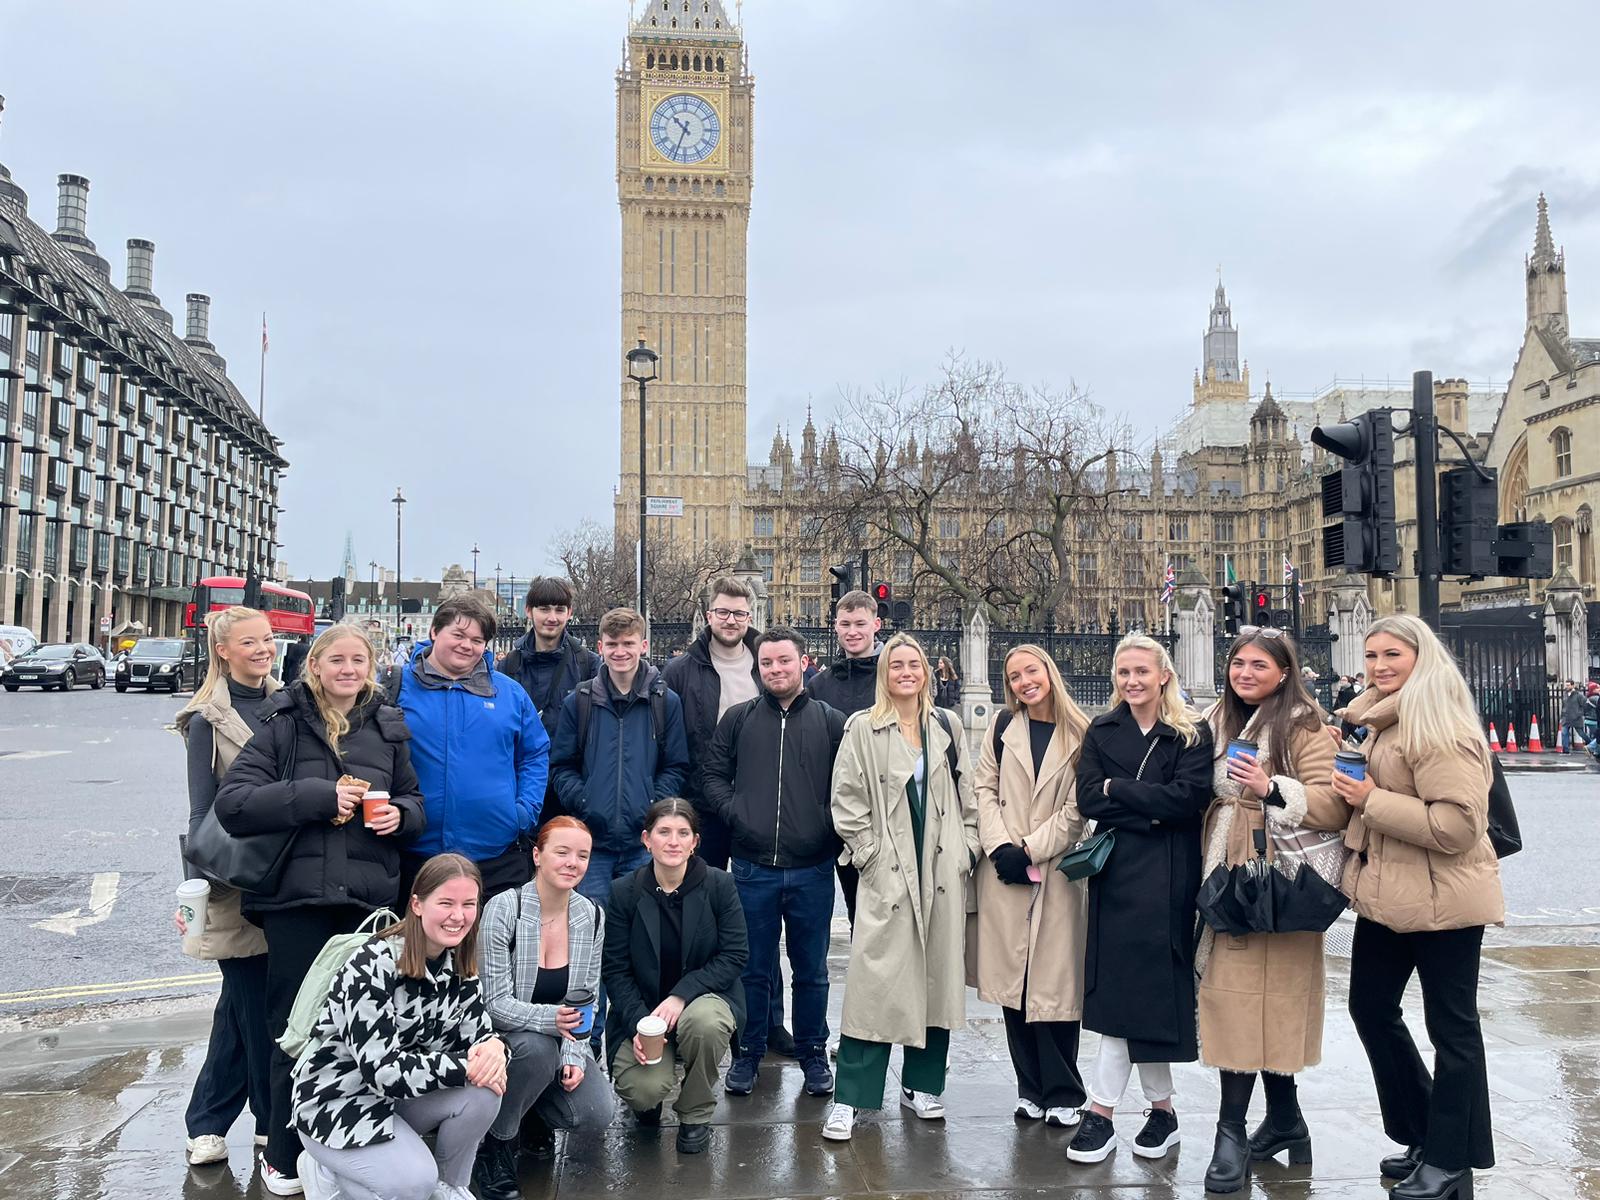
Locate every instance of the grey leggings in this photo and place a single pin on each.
(403, 1169)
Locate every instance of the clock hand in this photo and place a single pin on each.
(682, 124)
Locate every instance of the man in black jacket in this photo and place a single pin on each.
(850, 685)
(769, 776)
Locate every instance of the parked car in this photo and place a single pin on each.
(61, 665)
(164, 663)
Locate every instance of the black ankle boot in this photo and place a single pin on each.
(1400, 1166)
(1268, 1141)
(495, 1170)
(1230, 1161)
(1434, 1183)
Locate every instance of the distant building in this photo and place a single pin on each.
(130, 465)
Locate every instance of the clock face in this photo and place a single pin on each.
(685, 129)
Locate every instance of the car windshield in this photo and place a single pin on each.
(53, 652)
(159, 647)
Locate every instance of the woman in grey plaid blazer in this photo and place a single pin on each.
(542, 946)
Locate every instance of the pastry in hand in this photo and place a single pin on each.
(350, 781)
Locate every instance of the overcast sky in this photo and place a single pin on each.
(421, 196)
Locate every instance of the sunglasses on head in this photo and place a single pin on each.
(1266, 631)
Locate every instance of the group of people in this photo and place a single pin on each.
(645, 844)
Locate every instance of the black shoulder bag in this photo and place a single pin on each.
(251, 862)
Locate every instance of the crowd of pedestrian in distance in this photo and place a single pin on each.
(484, 901)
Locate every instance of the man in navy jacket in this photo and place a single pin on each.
(479, 749)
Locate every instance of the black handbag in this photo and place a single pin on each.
(250, 862)
(1505, 835)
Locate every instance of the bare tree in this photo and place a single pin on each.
(1003, 495)
(603, 571)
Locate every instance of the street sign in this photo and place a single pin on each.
(105, 624)
(663, 506)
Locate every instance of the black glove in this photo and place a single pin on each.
(1011, 863)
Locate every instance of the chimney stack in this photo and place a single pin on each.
(197, 328)
(141, 280)
(10, 194)
(72, 223)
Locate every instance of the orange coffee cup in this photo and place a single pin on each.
(370, 804)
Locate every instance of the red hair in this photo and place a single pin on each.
(561, 822)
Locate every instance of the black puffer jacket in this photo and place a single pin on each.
(769, 776)
(328, 864)
(850, 685)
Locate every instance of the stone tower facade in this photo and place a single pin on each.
(684, 96)
(1222, 377)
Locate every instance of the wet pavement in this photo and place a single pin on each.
(95, 1108)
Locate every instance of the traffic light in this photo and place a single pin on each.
(1358, 500)
(336, 599)
(844, 579)
(251, 597)
(1468, 509)
(902, 613)
(1234, 608)
(1261, 608)
(1525, 550)
(884, 595)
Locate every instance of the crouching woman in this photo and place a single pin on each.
(404, 1048)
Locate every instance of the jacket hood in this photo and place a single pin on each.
(867, 664)
(694, 877)
(642, 679)
(528, 645)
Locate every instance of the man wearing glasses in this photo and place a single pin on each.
(717, 672)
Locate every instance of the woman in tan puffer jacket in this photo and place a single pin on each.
(1424, 881)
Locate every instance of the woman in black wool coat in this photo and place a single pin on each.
(1144, 772)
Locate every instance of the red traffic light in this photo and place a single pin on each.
(1263, 600)
(880, 591)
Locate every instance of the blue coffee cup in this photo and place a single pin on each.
(1351, 763)
(584, 1001)
(1238, 746)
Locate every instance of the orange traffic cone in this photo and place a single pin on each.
(1535, 746)
(1494, 739)
(1511, 738)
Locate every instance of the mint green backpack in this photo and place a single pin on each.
(312, 998)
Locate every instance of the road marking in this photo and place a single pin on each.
(20, 755)
(102, 897)
(91, 990)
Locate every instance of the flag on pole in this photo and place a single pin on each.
(1169, 585)
(263, 333)
(1229, 578)
(1291, 576)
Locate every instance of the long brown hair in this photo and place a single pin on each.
(1071, 721)
(1292, 707)
(436, 872)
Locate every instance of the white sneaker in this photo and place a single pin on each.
(278, 1183)
(1027, 1109)
(450, 1191)
(925, 1105)
(207, 1148)
(261, 1139)
(319, 1182)
(841, 1121)
(1062, 1118)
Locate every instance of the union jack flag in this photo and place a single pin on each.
(1169, 585)
(1290, 576)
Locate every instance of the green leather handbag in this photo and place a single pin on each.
(1089, 856)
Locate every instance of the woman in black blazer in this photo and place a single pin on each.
(675, 948)
(1144, 772)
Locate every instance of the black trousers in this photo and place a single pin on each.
(294, 938)
(238, 1061)
(849, 881)
(1045, 1057)
(1447, 1114)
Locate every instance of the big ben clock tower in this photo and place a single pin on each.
(683, 180)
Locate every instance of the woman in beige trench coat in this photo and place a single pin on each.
(1030, 916)
(1261, 995)
(909, 826)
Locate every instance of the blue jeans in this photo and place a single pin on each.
(606, 866)
(796, 902)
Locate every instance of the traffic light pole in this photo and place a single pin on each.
(1425, 434)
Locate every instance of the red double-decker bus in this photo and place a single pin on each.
(287, 611)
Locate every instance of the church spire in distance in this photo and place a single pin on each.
(1547, 278)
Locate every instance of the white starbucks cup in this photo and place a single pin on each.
(192, 897)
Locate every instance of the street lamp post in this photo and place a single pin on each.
(398, 611)
(474, 566)
(642, 369)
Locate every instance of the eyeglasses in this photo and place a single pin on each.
(731, 614)
(1266, 631)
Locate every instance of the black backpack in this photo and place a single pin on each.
(1002, 719)
(950, 749)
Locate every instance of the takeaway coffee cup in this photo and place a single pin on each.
(192, 896)
(652, 1032)
(371, 802)
(581, 999)
(1352, 763)
(1238, 746)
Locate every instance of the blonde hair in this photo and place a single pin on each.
(1173, 711)
(219, 628)
(338, 723)
(1436, 710)
(883, 705)
(1071, 721)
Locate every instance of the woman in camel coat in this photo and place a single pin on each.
(1261, 995)
(1030, 926)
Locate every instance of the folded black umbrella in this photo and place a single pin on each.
(1255, 898)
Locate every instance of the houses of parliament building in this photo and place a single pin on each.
(1234, 483)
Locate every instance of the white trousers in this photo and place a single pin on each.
(1107, 1079)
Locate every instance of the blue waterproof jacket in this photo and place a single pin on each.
(620, 770)
(482, 762)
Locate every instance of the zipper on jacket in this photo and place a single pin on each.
(777, 821)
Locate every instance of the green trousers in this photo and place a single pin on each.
(863, 1067)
